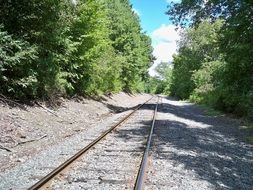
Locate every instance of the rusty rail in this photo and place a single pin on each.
(61, 167)
(139, 183)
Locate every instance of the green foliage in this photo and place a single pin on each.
(18, 77)
(231, 89)
(93, 58)
(207, 82)
(161, 83)
(197, 47)
(164, 71)
(42, 23)
(50, 48)
(155, 86)
(130, 42)
(250, 138)
(193, 12)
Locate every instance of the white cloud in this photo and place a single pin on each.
(164, 40)
(165, 33)
(136, 11)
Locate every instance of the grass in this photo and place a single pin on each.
(248, 125)
(211, 111)
(250, 137)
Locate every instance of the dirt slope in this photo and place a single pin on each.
(26, 130)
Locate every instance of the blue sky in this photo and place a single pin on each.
(156, 23)
(152, 13)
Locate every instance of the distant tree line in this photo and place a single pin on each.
(214, 64)
(67, 47)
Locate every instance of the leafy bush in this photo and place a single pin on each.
(18, 76)
(52, 48)
(232, 90)
(207, 80)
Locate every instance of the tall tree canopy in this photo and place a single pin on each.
(197, 47)
(230, 69)
(130, 42)
(61, 47)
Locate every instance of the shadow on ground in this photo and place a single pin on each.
(119, 109)
(213, 147)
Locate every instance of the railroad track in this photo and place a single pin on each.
(139, 183)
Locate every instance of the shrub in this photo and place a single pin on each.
(18, 77)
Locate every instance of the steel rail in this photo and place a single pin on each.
(42, 182)
(139, 183)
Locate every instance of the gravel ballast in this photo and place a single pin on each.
(63, 139)
(193, 151)
(190, 150)
(114, 162)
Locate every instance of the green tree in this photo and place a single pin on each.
(164, 71)
(208, 83)
(90, 47)
(41, 23)
(197, 46)
(235, 43)
(93, 68)
(17, 73)
(131, 43)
